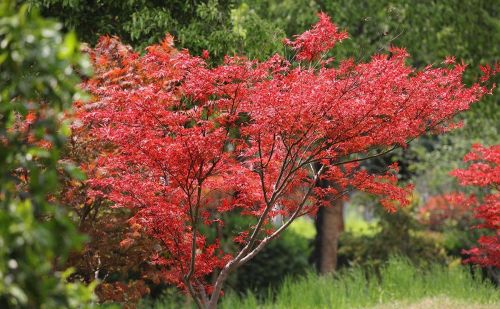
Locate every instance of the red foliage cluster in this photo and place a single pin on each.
(440, 209)
(189, 142)
(484, 171)
(321, 38)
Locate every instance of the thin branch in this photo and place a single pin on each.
(263, 243)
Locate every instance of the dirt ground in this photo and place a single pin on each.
(437, 303)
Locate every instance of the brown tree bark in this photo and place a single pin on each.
(329, 226)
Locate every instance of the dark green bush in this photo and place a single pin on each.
(399, 234)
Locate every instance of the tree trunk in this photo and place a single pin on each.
(329, 225)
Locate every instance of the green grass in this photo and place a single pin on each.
(399, 282)
(398, 285)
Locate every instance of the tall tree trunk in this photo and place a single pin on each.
(329, 225)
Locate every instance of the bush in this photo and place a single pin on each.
(37, 84)
(395, 234)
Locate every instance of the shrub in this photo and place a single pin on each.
(37, 85)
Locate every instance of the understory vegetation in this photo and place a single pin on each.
(398, 283)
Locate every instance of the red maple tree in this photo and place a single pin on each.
(187, 142)
(484, 172)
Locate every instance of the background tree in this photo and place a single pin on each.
(220, 26)
(37, 82)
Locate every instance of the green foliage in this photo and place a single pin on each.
(374, 250)
(303, 226)
(143, 22)
(293, 16)
(430, 30)
(220, 26)
(258, 38)
(37, 82)
(361, 288)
